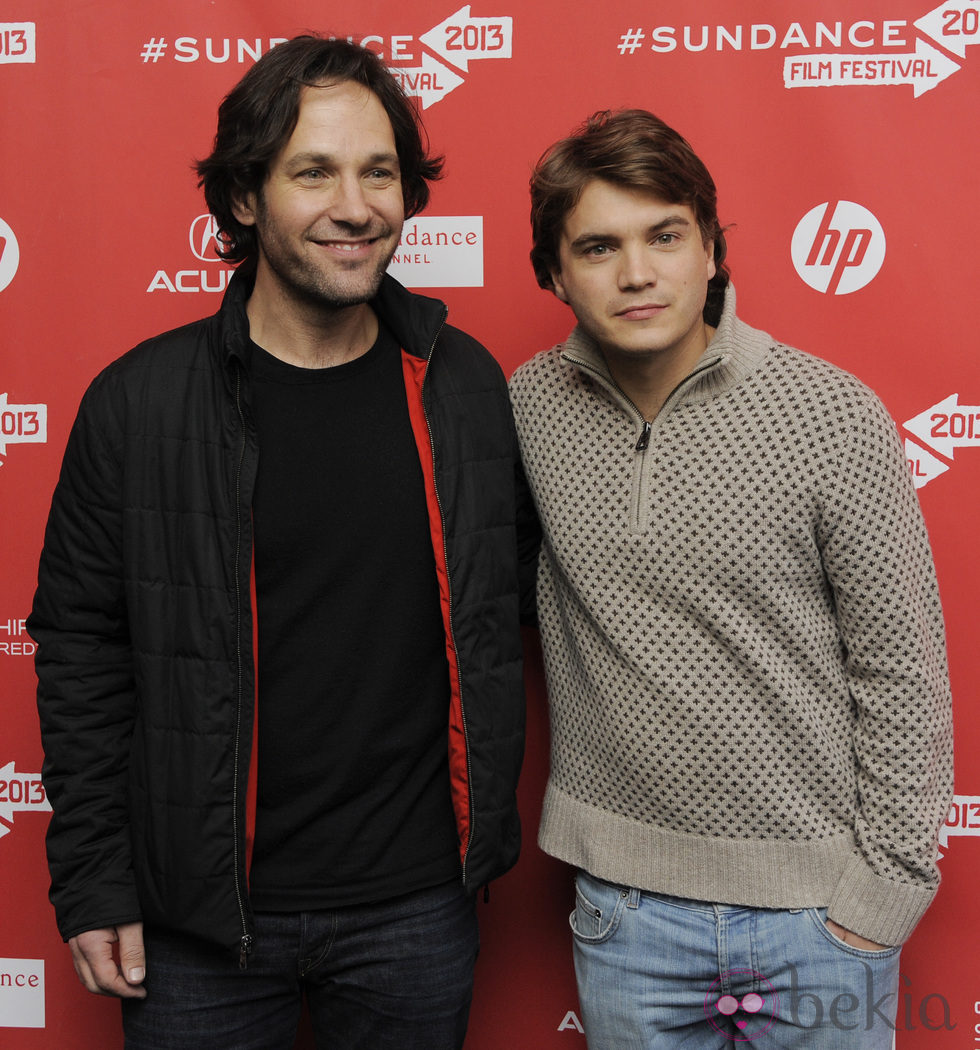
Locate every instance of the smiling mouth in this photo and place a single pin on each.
(348, 246)
(351, 242)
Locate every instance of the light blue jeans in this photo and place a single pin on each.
(658, 973)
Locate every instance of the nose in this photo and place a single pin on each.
(349, 203)
(636, 267)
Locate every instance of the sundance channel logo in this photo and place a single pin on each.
(441, 251)
(21, 993)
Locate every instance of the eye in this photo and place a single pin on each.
(382, 175)
(597, 250)
(665, 240)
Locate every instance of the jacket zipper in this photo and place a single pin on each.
(245, 946)
(449, 584)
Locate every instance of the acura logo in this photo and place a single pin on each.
(204, 238)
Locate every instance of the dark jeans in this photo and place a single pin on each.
(394, 974)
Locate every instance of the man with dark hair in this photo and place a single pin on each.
(278, 654)
(744, 646)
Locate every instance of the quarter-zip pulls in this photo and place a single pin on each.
(638, 510)
(646, 426)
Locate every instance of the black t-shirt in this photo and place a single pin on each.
(353, 696)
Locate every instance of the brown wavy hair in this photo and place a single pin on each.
(634, 149)
(257, 117)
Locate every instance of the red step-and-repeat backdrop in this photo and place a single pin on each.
(844, 142)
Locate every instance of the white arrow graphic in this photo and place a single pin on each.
(431, 82)
(947, 426)
(924, 465)
(22, 423)
(20, 791)
(963, 819)
(953, 25)
(924, 69)
(460, 39)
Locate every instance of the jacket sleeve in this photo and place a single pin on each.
(528, 542)
(528, 532)
(86, 692)
(877, 557)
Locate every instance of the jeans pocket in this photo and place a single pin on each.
(598, 909)
(819, 917)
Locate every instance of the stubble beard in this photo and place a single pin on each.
(319, 288)
(333, 290)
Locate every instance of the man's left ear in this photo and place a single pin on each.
(243, 208)
(557, 287)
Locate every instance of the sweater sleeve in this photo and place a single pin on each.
(877, 558)
(86, 691)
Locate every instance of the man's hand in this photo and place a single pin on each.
(95, 957)
(854, 939)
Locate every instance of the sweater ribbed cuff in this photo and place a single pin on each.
(880, 910)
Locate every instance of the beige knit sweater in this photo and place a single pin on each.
(742, 633)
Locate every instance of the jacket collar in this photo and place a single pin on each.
(415, 320)
(233, 341)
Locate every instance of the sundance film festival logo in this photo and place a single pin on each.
(17, 42)
(22, 424)
(867, 53)
(838, 247)
(427, 67)
(20, 793)
(9, 255)
(963, 819)
(939, 431)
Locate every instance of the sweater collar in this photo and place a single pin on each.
(734, 353)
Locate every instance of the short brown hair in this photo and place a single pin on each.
(634, 149)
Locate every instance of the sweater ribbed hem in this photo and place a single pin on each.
(748, 872)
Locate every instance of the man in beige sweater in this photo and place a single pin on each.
(751, 718)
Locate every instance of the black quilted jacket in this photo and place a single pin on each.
(143, 619)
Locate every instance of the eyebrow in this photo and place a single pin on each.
(317, 158)
(590, 238)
